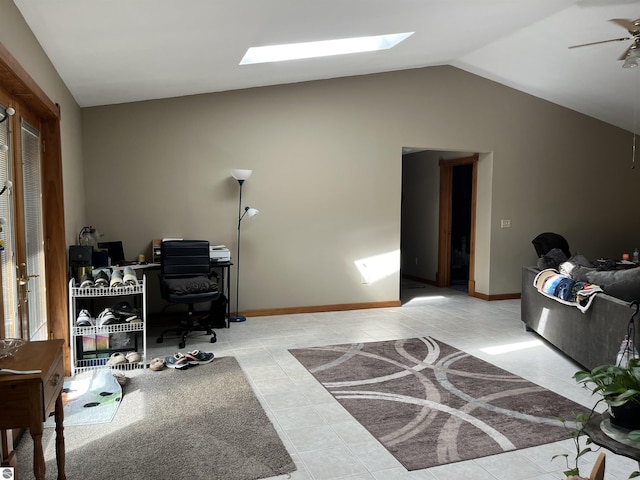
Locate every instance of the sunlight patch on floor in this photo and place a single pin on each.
(511, 347)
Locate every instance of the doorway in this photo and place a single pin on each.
(437, 221)
(456, 230)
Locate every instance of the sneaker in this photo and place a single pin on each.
(129, 278)
(84, 319)
(116, 279)
(102, 279)
(177, 361)
(197, 357)
(107, 317)
(86, 281)
(126, 312)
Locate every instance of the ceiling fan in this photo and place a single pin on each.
(632, 54)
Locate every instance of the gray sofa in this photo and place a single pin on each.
(592, 338)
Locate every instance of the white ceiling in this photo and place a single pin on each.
(116, 51)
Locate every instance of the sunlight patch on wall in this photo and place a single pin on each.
(511, 347)
(378, 267)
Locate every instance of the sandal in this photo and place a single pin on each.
(177, 361)
(197, 357)
(116, 359)
(156, 364)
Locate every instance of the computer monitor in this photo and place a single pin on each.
(115, 250)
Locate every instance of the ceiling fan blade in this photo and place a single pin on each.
(632, 27)
(602, 41)
(626, 52)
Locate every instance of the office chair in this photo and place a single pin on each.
(185, 278)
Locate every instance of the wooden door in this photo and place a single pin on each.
(443, 277)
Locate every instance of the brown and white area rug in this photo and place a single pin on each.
(430, 404)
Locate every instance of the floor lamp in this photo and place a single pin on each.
(240, 175)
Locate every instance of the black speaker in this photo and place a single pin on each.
(80, 255)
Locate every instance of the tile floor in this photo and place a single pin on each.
(327, 443)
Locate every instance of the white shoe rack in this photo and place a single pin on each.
(105, 297)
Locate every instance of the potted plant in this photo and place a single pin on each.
(619, 387)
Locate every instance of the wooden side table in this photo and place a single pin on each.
(27, 400)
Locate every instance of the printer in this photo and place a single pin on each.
(219, 253)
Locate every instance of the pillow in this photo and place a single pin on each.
(185, 286)
(552, 259)
(607, 278)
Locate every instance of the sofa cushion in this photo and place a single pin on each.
(622, 284)
(191, 285)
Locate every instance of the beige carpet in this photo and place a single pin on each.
(202, 423)
(430, 404)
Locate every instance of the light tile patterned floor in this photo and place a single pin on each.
(327, 443)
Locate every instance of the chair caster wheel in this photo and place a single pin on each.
(160, 340)
(181, 345)
(213, 340)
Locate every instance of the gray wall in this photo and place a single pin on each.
(327, 173)
(16, 36)
(327, 161)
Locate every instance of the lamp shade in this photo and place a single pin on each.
(252, 212)
(241, 174)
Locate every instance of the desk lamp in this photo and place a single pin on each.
(240, 175)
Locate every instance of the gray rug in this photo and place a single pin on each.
(202, 423)
(430, 404)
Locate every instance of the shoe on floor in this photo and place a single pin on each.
(120, 377)
(116, 279)
(156, 364)
(85, 319)
(197, 357)
(116, 359)
(106, 317)
(177, 361)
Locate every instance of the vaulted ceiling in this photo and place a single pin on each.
(116, 51)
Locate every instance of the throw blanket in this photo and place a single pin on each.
(565, 289)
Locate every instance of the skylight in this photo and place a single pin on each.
(324, 48)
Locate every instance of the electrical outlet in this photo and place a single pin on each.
(505, 223)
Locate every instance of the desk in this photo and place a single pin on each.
(225, 277)
(27, 400)
(618, 443)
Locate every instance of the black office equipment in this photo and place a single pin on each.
(185, 278)
(116, 252)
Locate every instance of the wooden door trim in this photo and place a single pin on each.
(443, 276)
(25, 91)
